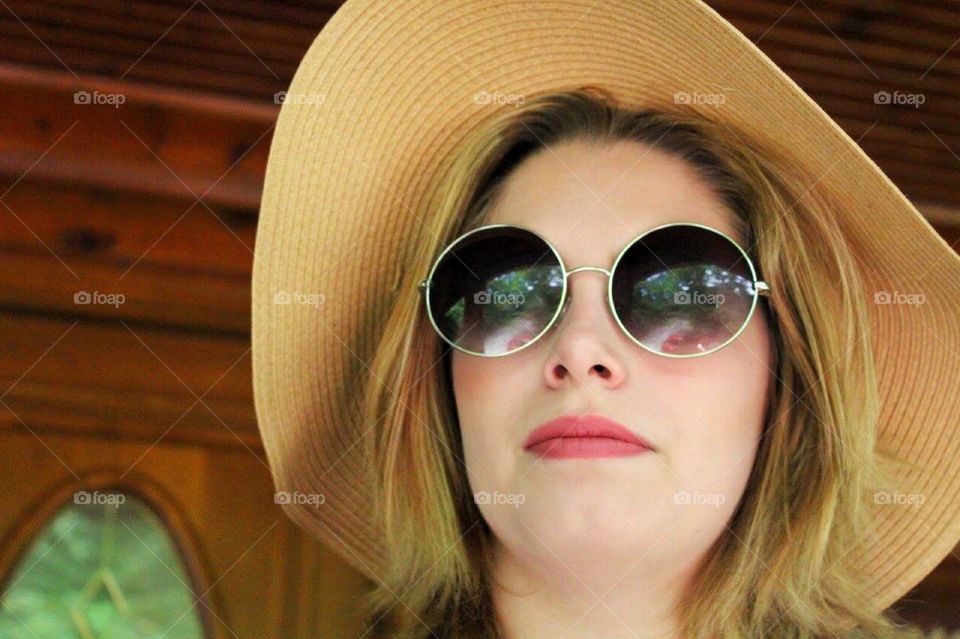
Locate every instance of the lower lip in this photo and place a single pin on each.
(567, 447)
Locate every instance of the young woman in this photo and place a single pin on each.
(727, 495)
(621, 375)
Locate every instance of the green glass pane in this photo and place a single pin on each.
(104, 567)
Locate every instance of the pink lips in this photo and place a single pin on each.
(584, 436)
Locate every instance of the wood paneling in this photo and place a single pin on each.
(122, 379)
(174, 263)
(169, 146)
(842, 52)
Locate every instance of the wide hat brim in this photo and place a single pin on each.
(388, 89)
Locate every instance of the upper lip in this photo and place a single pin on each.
(584, 426)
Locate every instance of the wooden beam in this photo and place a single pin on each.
(148, 140)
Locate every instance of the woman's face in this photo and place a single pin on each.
(702, 415)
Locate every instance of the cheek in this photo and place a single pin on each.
(467, 377)
(720, 412)
(486, 395)
(717, 410)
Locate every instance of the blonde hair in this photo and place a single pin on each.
(782, 568)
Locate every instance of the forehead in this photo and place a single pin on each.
(590, 198)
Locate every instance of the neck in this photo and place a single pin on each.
(586, 598)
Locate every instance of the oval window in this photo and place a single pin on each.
(104, 566)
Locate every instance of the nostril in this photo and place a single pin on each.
(602, 370)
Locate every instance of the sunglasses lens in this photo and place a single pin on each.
(495, 290)
(683, 290)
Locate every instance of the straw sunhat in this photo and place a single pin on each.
(388, 88)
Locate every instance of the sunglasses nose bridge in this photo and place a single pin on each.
(588, 268)
(567, 275)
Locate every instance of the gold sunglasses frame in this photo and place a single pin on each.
(760, 288)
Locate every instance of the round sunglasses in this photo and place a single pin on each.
(677, 290)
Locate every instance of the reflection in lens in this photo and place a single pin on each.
(683, 290)
(496, 290)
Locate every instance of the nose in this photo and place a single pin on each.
(586, 344)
